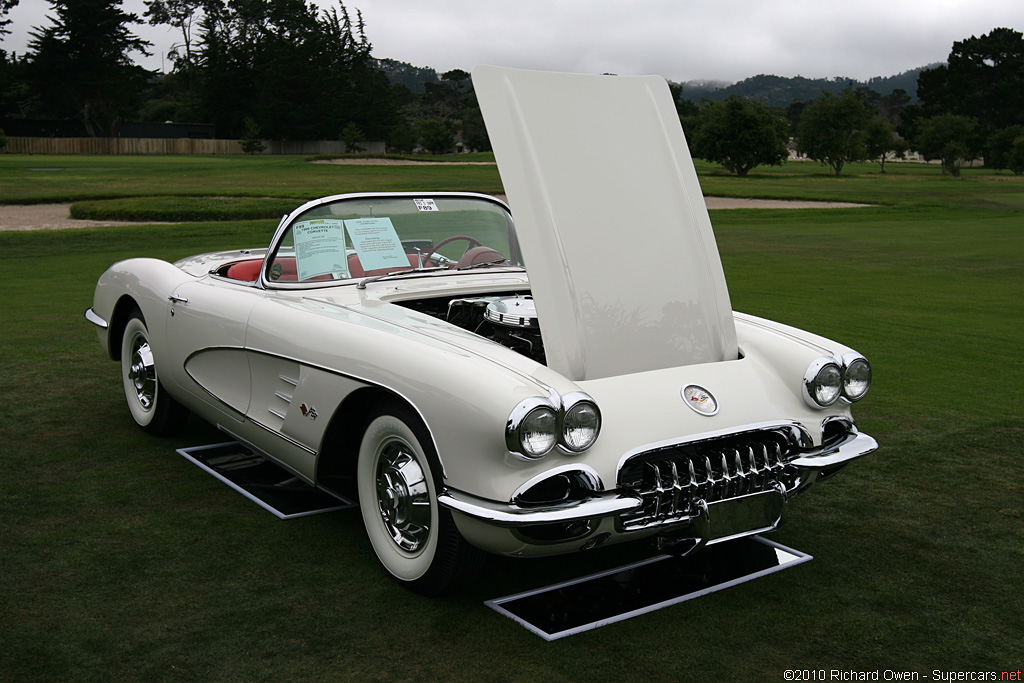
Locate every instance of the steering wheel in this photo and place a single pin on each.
(473, 242)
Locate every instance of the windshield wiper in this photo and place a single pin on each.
(373, 278)
(483, 263)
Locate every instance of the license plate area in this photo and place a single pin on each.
(744, 516)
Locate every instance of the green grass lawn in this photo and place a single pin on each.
(120, 560)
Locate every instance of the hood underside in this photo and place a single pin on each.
(617, 240)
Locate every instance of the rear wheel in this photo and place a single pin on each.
(152, 408)
(413, 537)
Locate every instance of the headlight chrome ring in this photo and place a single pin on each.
(829, 379)
(538, 425)
(823, 382)
(580, 422)
(856, 377)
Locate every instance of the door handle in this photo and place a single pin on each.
(175, 299)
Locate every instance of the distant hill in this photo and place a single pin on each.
(412, 77)
(774, 91)
(781, 91)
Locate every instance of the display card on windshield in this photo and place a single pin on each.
(376, 243)
(320, 248)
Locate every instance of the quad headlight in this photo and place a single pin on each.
(537, 433)
(581, 422)
(856, 377)
(537, 425)
(828, 379)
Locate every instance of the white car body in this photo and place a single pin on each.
(306, 371)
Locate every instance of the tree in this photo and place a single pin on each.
(891, 106)
(950, 138)
(182, 15)
(251, 140)
(832, 128)
(352, 135)
(5, 7)
(983, 78)
(436, 137)
(474, 130)
(880, 140)
(301, 72)
(740, 135)
(86, 51)
(999, 145)
(3, 139)
(402, 138)
(1015, 162)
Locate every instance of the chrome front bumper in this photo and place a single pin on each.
(808, 466)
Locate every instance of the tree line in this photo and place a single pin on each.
(278, 69)
(970, 107)
(286, 69)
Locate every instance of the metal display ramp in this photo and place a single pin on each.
(261, 481)
(614, 595)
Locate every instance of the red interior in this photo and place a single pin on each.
(249, 271)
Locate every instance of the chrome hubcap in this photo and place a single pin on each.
(142, 373)
(403, 497)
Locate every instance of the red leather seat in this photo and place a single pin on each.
(247, 271)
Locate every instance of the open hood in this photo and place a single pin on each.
(623, 263)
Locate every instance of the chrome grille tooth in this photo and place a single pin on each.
(740, 472)
(765, 472)
(692, 487)
(659, 490)
(677, 488)
(709, 479)
(727, 485)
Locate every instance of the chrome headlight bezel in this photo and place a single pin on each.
(573, 404)
(852, 363)
(528, 410)
(824, 371)
(560, 408)
(843, 371)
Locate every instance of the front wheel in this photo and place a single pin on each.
(152, 408)
(413, 537)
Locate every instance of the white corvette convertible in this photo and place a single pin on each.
(575, 379)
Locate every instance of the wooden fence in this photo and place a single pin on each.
(25, 145)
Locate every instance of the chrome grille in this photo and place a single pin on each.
(674, 480)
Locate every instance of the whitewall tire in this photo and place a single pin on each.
(152, 408)
(413, 537)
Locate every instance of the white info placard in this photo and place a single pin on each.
(320, 248)
(376, 243)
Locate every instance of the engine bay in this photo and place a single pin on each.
(509, 319)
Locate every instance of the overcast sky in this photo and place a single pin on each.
(682, 40)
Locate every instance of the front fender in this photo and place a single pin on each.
(142, 282)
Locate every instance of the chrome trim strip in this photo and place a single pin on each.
(275, 413)
(604, 504)
(92, 317)
(283, 397)
(289, 380)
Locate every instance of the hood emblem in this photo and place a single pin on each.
(700, 399)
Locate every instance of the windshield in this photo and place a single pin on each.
(370, 236)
